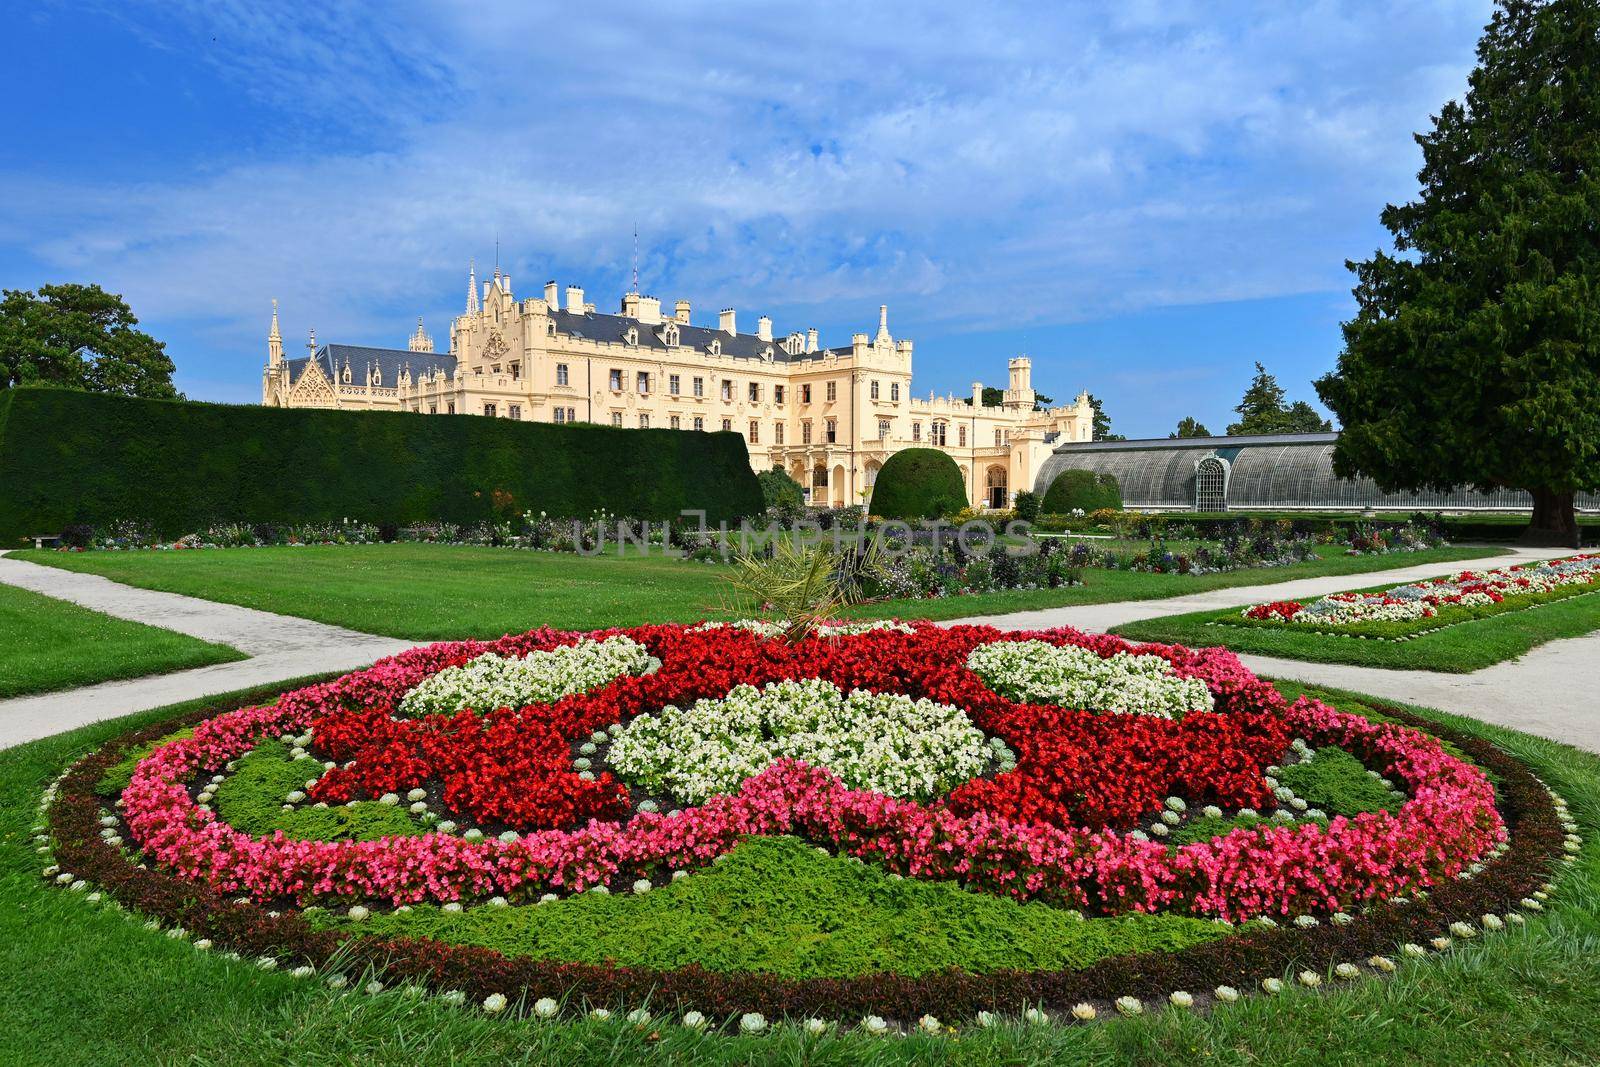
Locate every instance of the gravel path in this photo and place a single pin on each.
(279, 647)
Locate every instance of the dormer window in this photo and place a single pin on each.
(550, 328)
(715, 348)
(670, 335)
(632, 336)
(766, 353)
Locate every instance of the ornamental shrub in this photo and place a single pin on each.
(1028, 506)
(918, 483)
(780, 492)
(1082, 490)
(176, 467)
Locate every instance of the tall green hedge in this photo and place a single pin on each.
(69, 457)
(918, 483)
(1082, 489)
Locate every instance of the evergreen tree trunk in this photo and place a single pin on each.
(1555, 523)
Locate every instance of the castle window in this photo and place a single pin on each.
(561, 414)
(939, 430)
(755, 392)
(766, 353)
(616, 380)
(561, 374)
(833, 432)
(916, 431)
(632, 336)
(777, 394)
(833, 391)
(642, 381)
(715, 348)
(450, 408)
(674, 422)
(777, 433)
(433, 409)
(727, 425)
(699, 424)
(616, 418)
(1007, 438)
(997, 437)
(671, 335)
(516, 371)
(894, 391)
(674, 382)
(883, 429)
(874, 392)
(572, 414)
(644, 420)
(699, 387)
(961, 435)
(819, 478)
(515, 411)
(755, 432)
(805, 393)
(805, 432)
(550, 328)
(727, 390)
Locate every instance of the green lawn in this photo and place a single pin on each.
(1457, 649)
(434, 592)
(88, 986)
(48, 644)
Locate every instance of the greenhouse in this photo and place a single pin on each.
(1276, 472)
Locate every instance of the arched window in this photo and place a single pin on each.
(819, 478)
(671, 337)
(1210, 485)
(715, 348)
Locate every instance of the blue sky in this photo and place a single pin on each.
(1145, 197)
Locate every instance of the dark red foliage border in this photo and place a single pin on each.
(1241, 960)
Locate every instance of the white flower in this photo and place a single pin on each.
(1461, 929)
(453, 997)
(373, 988)
(491, 681)
(874, 1024)
(638, 1016)
(1411, 948)
(693, 1020)
(1226, 993)
(1441, 943)
(1130, 1006)
(303, 971)
(546, 1007)
(1272, 985)
(494, 1003)
(1309, 978)
(1084, 1012)
(452, 906)
(1124, 683)
(266, 963)
(1181, 999)
(642, 886)
(202, 943)
(416, 795)
(473, 834)
(1035, 1017)
(1347, 970)
(986, 1018)
(600, 1014)
(358, 913)
(338, 981)
(389, 799)
(752, 1022)
(499, 902)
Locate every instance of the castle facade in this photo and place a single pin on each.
(829, 416)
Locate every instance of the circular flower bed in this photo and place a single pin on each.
(1103, 781)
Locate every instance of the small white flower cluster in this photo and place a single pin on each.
(492, 681)
(1070, 677)
(885, 742)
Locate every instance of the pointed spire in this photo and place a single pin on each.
(274, 340)
(883, 322)
(472, 287)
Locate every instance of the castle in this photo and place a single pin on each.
(829, 416)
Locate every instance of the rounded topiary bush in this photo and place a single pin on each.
(918, 483)
(1085, 490)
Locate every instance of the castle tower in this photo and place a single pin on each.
(420, 341)
(1020, 395)
(274, 340)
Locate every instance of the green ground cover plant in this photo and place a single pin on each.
(774, 904)
(1457, 649)
(48, 644)
(134, 996)
(252, 800)
(1337, 783)
(439, 592)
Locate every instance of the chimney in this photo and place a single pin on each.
(883, 322)
(977, 394)
(725, 321)
(649, 310)
(764, 327)
(552, 295)
(630, 305)
(681, 312)
(811, 339)
(505, 284)
(575, 299)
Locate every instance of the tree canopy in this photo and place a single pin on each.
(1262, 410)
(993, 398)
(1474, 355)
(1189, 426)
(1102, 422)
(81, 337)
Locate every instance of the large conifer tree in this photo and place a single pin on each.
(1474, 356)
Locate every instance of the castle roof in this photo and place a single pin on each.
(597, 326)
(331, 358)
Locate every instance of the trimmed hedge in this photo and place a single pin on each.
(1082, 489)
(918, 483)
(71, 457)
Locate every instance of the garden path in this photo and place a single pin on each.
(1545, 692)
(279, 648)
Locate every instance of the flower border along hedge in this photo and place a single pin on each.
(1495, 895)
